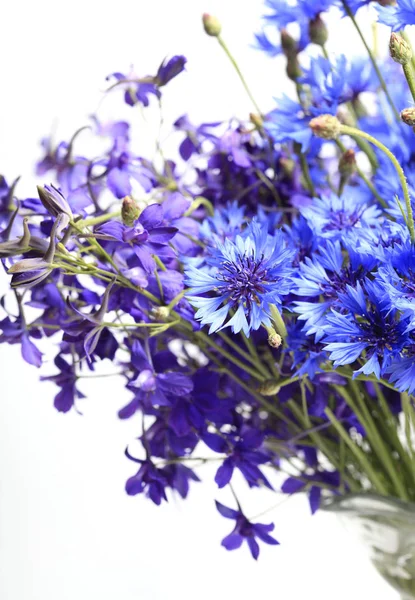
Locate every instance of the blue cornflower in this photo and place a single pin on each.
(289, 122)
(402, 372)
(246, 276)
(369, 328)
(327, 80)
(225, 223)
(264, 43)
(397, 16)
(308, 355)
(336, 217)
(245, 530)
(322, 278)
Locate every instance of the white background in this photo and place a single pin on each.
(67, 529)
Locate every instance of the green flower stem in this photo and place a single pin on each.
(200, 335)
(324, 446)
(306, 173)
(359, 454)
(372, 59)
(239, 72)
(409, 74)
(356, 133)
(409, 427)
(359, 407)
(98, 220)
(250, 357)
(278, 322)
(408, 41)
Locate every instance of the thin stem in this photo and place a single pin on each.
(367, 181)
(409, 74)
(359, 454)
(352, 131)
(372, 59)
(238, 70)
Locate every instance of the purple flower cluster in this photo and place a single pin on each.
(298, 253)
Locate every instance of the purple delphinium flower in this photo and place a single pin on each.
(147, 237)
(245, 531)
(152, 387)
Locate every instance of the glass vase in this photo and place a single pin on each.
(387, 528)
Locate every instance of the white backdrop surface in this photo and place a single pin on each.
(67, 529)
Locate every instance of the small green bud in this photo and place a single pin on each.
(274, 339)
(269, 387)
(318, 32)
(256, 120)
(129, 211)
(287, 166)
(211, 25)
(288, 44)
(293, 68)
(408, 116)
(400, 50)
(347, 163)
(160, 313)
(326, 126)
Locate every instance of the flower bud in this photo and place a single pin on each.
(269, 387)
(288, 44)
(347, 163)
(54, 201)
(211, 25)
(317, 30)
(287, 166)
(160, 313)
(293, 68)
(408, 116)
(326, 126)
(274, 338)
(399, 49)
(129, 211)
(256, 120)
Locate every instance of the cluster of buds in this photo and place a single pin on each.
(290, 49)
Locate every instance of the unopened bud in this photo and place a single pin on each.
(256, 120)
(54, 201)
(287, 165)
(408, 116)
(318, 32)
(288, 44)
(347, 163)
(160, 313)
(400, 50)
(269, 387)
(274, 339)
(327, 127)
(293, 68)
(211, 25)
(129, 211)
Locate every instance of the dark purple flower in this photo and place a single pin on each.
(170, 69)
(147, 237)
(151, 387)
(245, 531)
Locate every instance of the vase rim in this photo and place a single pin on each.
(368, 503)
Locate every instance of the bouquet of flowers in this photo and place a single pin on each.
(256, 293)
